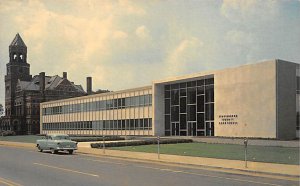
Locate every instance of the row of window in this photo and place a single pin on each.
(128, 124)
(120, 103)
(201, 82)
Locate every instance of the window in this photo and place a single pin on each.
(191, 84)
(200, 82)
(195, 103)
(191, 96)
(209, 111)
(175, 86)
(175, 97)
(175, 113)
(191, 112)
(200, 103)
(209, 81)
(167, 122)
(167, 106)
(183, 121)
(183, 105)
(209, 93)
(200, 120)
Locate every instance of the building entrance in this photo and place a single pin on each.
(210, 129)
(192, 129)
(175, 129)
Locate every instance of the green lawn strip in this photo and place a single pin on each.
(281, 155)
(23, 139)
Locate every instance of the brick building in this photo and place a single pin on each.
(24, 92)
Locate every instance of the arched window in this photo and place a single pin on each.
(15, 56)
(21, 56)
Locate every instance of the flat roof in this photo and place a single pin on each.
(100, 94)
(212, 72)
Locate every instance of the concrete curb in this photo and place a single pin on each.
(202, 166)
(292, 171)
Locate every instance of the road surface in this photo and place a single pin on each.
(29, 167)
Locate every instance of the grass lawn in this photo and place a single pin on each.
(281, 155)
(24, 139)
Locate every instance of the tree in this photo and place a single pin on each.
(1, 110)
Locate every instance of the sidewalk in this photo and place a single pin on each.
(257, 167)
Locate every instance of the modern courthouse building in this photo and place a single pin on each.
(257, 100)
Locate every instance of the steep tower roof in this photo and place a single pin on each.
(18, 41)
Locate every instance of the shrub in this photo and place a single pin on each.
(8, 133)
(137, 143)
(106, 138)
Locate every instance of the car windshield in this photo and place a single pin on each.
(60, 137)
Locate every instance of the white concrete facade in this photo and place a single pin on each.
(257, 100)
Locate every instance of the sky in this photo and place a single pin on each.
(129, 43)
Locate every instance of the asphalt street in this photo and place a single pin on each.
(28, 167)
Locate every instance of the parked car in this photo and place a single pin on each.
(55, 143)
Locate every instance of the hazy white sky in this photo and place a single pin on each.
(124, 44)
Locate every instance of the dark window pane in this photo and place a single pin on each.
(200, 90)
(115, 103)
(175, 113)
(119, 103)
(167, 94)
(167, 133)
(200, 133)
(182, 92)
(183, 105)
(167, 106)
(209, 111)
(191, 96)
(191, 84)
(182, 85)
(134, 122)
(200, 82)
(183, 121)
(182, 133)
(209, 81)
(150, 123)
(200, 103)
(167, 122)
(209, 93)
(141, 124)
(167, 87)
(207, 127)
(146, 126)
(123, 124)
(175, 86)
(175, 97)
(191, 112)
(117, 125)
(200, 120)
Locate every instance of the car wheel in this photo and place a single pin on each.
(53, 151)
(39, 148)
(70, 151)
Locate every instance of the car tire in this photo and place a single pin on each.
(70, 151)
(39, 148)
(53, 151)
